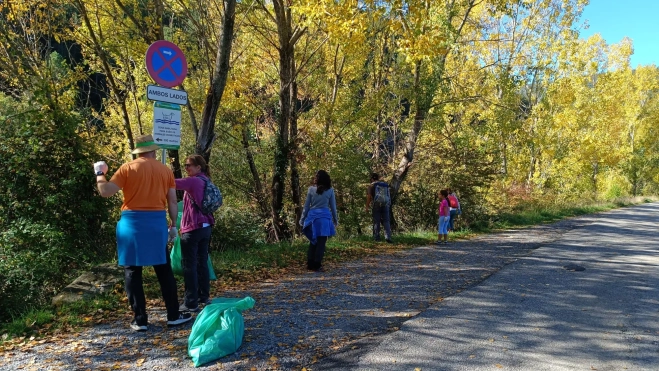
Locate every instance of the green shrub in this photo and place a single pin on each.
(236, 229)
(417, 208)
(50, 214)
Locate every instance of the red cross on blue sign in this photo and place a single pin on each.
(166, 63)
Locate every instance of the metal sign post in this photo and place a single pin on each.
(167, 66)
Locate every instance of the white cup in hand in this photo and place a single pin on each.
(100, 167)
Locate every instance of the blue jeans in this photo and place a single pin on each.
(194, 258)
(453, 213)
(381, 215)
(442, 225)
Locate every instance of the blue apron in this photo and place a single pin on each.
(142, 238)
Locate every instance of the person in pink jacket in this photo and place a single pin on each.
(444, 218)
(195, 234)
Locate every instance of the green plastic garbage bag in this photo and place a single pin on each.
(218, 330)
(175, 255)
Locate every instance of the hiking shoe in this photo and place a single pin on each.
(388, 240)
(182, 318)
(185, 308)
(205, 302)
(139, 328)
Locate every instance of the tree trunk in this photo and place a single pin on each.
(206, 135)
(423, 101)
(258, 194)
(410, 145)
(426, 88)
(593, 178)
(529, 176)
(338, 75)
(295, 175)
(286, 121)
(116, 91)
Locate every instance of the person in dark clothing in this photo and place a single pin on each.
(378, 203)
(195, 234)
(319, 218)
(454, 208)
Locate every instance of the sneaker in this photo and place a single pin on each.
(205, 301)
(446, 242)
(182, 318)
(388, 240)
(137, 327)
(438, 242)
(185, 308)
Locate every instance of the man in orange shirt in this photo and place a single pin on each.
(149, 189)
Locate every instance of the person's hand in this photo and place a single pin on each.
(100, 167)
(173, 233)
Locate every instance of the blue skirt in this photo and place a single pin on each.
(318, 223)
(142, 238)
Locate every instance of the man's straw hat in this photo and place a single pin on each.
(144, 143)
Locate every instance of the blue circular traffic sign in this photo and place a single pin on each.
(166, 63)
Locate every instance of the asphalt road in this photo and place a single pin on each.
(535, 314)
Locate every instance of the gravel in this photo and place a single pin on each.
(303, 318)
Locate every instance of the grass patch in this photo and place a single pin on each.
(52, 320)
(528, 215)
(26, 324)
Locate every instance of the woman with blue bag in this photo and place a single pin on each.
(319, 218)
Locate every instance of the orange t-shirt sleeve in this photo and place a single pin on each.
(119, 178)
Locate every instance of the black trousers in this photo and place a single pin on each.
(194, 251)
(381, 215)
(135, 291)
(315, 253)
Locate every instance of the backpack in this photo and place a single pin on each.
(381, 194)
(212, 197)
(452, 201)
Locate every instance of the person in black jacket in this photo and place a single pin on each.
(379, 202)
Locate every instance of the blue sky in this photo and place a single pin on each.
(637, 19)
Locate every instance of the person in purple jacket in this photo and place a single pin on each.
(195, 234)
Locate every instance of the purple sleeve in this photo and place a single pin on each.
(185, 184)
(192, 185)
